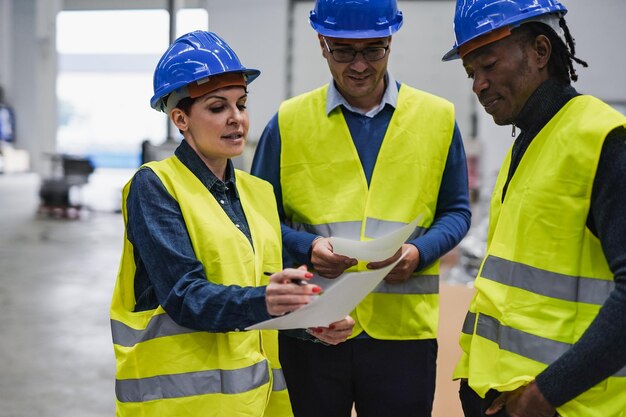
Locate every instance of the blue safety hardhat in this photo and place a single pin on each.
(194, 58)
(475, 18)
(356, 19)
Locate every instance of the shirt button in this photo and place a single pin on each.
(221, 201)
(237, 330)
(238, 226)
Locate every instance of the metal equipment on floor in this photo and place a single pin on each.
(60, 194)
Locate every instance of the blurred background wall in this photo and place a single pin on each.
(78, 72)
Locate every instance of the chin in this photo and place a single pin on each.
(236, 151)
(501, 121)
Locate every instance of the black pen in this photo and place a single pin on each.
(297, 281)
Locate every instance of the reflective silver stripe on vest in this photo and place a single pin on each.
(468, 323)
(346, 230)
(549, 284)
(192, 383)
(279, 383)
(524, 344)
(420, 284)
(374, 228)
(159, 326)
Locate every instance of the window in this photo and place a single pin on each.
(104, 85)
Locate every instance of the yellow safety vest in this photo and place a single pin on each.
(544, 277)
(325, 192)
(164, 369)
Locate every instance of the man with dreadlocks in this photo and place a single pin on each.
(545, 334)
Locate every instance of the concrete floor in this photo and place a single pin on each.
(56, 279)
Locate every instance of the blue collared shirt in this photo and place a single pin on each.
(168, 272)
(452, 217)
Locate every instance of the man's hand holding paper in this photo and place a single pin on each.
(326, 261)
(403, 270)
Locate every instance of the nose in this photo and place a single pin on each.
(480, 83)
(236, 116)
(359, 63)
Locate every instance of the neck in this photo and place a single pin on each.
(218, 168)
(216, 165)
(366, 103)
(544, 103)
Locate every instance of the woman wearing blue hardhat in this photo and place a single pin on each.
(199, 236)
(357, 158)
(190, 62)
(545, 330)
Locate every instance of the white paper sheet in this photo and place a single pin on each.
(374, 250)
(339, 298)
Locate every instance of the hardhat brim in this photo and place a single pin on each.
(251, 74)
(548, 19)
(354, 34)
(451, 55)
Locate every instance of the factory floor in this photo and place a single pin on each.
(56, 279)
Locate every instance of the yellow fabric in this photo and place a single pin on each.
(231, 262)
(323, 183)
(542, 224)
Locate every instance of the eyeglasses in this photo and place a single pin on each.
(345, 55)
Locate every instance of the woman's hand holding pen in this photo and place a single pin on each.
(288, 290)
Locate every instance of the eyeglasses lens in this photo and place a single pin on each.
(345, 55)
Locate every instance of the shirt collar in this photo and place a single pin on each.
(334, 98)
(544, 103)
(192, 161)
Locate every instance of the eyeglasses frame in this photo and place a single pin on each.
(356, 52)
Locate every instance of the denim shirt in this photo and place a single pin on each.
(168, 272)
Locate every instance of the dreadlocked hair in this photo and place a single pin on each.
(571, 44)
(561, 64)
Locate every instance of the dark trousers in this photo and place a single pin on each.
(382, 378)
(475, 406)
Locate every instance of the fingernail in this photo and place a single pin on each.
(331, 327)
(316, 290)
(317, 330)
(308, 275)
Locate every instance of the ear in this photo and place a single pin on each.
(320, 38)
(180, 119)
(543, 50)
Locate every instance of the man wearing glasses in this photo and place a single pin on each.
(358, 158)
